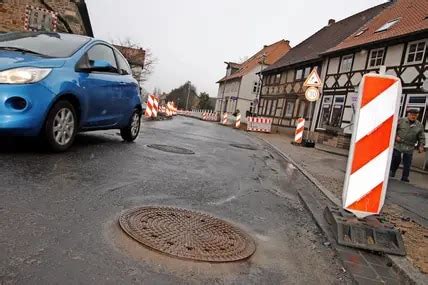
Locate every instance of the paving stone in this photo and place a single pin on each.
(374, 258)
(361, 270)
(385, 272)
(367, 281)
(353, 256)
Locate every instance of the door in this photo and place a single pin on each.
(129, 88)
(101, 89)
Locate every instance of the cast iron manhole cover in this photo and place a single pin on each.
(187, 234)
(169, 148)
(244, 146)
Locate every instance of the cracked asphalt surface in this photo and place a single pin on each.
(59, 212)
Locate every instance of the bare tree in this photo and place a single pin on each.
(137, 59)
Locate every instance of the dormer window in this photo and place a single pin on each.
(387, 25)
(360, 32)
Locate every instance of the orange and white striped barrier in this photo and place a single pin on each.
(149, 107)
(224, 120)
(259, 124)
(372, 144)
(155, 107)
(300, 128)
(209, 117)
(238, 121)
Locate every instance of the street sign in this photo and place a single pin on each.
(372, 144)
(313, 79)
(312, 94)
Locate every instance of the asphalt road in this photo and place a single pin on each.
(58, 212)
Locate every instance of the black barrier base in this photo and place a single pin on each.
(308, 143)
(369, 233)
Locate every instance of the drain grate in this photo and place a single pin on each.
(169, 148)
(187, 234)
(244, 146)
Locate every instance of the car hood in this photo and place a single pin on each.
(12, 59)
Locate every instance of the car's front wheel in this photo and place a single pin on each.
(61, 126)
(130, 132)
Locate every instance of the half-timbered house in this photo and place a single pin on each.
(394, 42)
(282, 97)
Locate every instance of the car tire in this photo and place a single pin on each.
(130, 132)
(61, 126)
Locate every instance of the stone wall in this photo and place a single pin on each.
(13, 14)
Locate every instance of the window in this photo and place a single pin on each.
(307, 71)
(346, 64)
(299, 74)
(416, 52)
(102, 52)
(49, 44)
(336, 114)
(256, 87)
(124, 68)
(277, 77)
(376, 57)
(331, 111)
(360, 32)
(387, 25)
(289, 109)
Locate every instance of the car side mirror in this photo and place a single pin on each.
(100, 65)
(96, 65)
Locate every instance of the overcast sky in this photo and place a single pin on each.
(192, 38)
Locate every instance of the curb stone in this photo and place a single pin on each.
(400, 264)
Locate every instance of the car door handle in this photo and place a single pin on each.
(122, 83)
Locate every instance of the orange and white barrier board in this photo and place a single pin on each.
(238, 121)
(372, 144)
(149, 107)
(155, 107)
(209, 117)
(300, 128)
(224, 119)
(259, 124)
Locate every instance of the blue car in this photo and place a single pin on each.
(54, 85)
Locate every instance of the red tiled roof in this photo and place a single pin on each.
(273, 52)
(412, 15)
(326, 38)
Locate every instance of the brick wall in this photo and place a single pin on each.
(12, 14)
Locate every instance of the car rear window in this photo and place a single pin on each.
(48, 44)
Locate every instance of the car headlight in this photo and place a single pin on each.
(23, 75)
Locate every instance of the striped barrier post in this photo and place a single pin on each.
(300, 127)
(155, 107)
(259, 124)
(225, 115)
(372, 144)
(204, 116)
(149, 107)
(238, 121)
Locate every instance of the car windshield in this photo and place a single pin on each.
(45, 44)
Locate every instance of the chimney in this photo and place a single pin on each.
(331, 22)
(287, 42)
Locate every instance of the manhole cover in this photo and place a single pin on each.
(187, 234)
(173, 149)
(244, 146)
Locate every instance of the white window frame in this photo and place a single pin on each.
(332, 103)
(408, 51)
(346, 57)
(377, 58)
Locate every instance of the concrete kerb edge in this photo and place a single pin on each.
(400, 264)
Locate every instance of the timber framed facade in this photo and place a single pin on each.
(374, 49)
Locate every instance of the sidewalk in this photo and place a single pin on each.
(405, 205)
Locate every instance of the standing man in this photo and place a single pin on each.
(409, 133)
